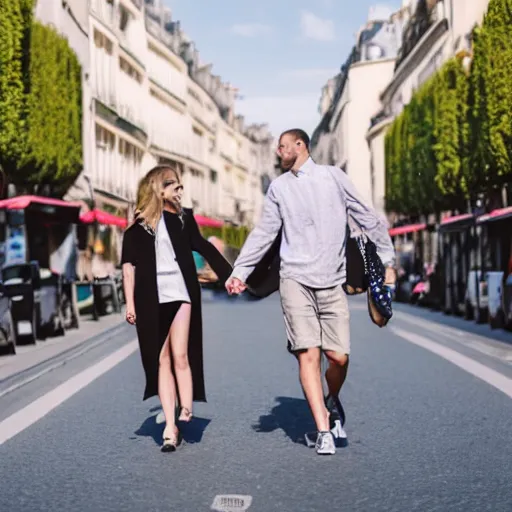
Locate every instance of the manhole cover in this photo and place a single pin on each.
(231, 503)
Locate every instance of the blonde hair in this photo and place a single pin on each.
(150, 203)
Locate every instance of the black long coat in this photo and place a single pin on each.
(139, 250)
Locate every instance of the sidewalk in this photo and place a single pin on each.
(28, 356)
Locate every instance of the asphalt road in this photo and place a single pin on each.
(427, 431)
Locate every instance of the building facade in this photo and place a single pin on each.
(432, 32)
(349, 101)
(390, 60)
(148, 99)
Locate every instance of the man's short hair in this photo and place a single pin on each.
(299, 135)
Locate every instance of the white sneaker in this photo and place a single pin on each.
(325, 444)
(338, 431)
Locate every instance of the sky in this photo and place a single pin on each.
(278, 53)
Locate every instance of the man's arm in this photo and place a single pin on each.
(260, 239)
(375, 226)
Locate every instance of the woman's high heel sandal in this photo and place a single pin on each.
(185, 415)
(171, 440)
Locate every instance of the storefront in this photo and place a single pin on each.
(496, 250)
(100, 242)
(408, 241)
(458, 255)
(41, 229)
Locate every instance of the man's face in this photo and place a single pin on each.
(287, 151)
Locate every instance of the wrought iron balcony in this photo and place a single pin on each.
(427, 13)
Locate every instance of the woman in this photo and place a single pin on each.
(163, 297)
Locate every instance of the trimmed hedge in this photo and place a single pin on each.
(40, 102)
(453, 141)
(426, 145)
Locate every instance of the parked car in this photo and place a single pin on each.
(7, 331)
(23, 286)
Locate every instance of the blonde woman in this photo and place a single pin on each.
(163, 297)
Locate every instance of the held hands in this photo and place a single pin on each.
(234, 286)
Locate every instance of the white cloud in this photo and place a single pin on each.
(250, 29)
(380, 12)
(282, 112)
(314, 27)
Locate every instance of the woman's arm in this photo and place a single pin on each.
(219, 264)
(128, 262)
(129, 288)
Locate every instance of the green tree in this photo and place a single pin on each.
(490, 101)
(11, 85)
(393, 167)
(427, 146)
(53, 109)
(450, 130)
(40, 102)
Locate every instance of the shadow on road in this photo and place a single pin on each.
(291, 415)
(192, 432)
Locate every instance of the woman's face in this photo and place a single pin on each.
(172, 190)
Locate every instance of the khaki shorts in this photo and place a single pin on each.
(315, 318)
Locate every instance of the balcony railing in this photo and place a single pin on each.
(154, 28)
(378, 118)
(425, 16)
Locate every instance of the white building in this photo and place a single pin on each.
(148, 99)
(434, 31)
(350, 100)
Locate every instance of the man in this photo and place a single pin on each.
(308, 207)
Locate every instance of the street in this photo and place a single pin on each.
(428, 408)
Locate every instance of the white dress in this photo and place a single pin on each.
(170, 282)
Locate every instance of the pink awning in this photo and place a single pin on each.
(496, 214)
(456, 218)
(207, 222)
(21, 202)
(404, 230)
(103, 218)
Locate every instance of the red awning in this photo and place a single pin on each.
(103, 218)
(456, 218)
(21, 202)
(497, 214)
(207, 222)
(404, 230)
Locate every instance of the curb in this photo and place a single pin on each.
(59, 359)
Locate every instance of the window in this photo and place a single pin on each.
(104, 138)
(213, 176)
(102, 41)
(194, 95)
(129, 70)
(124, 17)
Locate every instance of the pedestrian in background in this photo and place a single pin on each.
(163, 297)
(308, 208)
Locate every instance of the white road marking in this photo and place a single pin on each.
(39, 408)
(492, 377)
(52, 367)
(490, 347)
